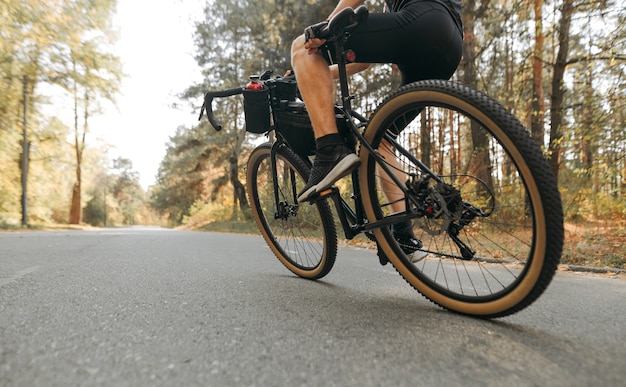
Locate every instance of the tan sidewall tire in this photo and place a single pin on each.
(261, 152)
(531, 277)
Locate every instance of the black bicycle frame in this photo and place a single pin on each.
(353, 221)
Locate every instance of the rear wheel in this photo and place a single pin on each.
(302, 236)
(491, 222)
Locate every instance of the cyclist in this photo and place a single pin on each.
(423, 38)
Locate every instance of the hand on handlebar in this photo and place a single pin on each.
(315, 31)
(312, 45)
(312, 41)
(343, 22)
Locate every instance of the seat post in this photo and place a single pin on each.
(340, 60)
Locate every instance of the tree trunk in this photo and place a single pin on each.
(79, 147)
(538, 105)
(469, 49)
(556, 109)
(75, 210)
(425, 144)
(588, 132)
(239, 190)
(454, 166)
(482, 162)
(76, 190)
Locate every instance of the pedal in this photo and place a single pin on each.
(408, 244)
(323, 195)
(382, 257)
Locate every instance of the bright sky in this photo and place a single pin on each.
(155, 46)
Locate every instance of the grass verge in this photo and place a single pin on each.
(590, 245)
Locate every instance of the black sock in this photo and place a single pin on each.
(328, 143)
(404, 228)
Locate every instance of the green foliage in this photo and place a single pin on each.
(184, 173)
(56, 47)
(236, 39)
(203, 213)
(65, 45)
(118, 199)
(9, 173)
(95, 212)
(127, 192)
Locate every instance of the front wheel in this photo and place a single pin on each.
(302, 236)
(484, 204)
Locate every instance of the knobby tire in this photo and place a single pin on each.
(481, 150)
(304, 239)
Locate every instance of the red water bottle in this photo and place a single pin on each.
(254, 83)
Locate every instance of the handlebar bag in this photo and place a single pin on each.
(256, 108)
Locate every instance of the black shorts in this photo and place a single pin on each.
(423, 39)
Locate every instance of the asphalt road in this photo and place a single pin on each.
(152, 307)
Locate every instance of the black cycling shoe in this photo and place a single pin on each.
(410, 245)
(327, 169)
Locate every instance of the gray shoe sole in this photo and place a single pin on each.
(418, 256)
(343, 168)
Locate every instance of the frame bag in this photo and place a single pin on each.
(291, 120)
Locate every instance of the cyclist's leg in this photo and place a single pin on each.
(381, 39)
(333, 159)
(393, 194)
(402, 231)
(422, 38)
(315, 83)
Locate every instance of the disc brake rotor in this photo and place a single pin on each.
(438, 221)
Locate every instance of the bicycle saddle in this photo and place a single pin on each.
(342, 23)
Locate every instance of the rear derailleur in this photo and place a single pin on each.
(442, 209)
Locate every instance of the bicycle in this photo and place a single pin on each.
(463, 170)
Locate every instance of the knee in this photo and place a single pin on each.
(297, 49)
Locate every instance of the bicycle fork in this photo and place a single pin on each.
(283, 209)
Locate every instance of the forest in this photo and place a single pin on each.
(558, 65)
